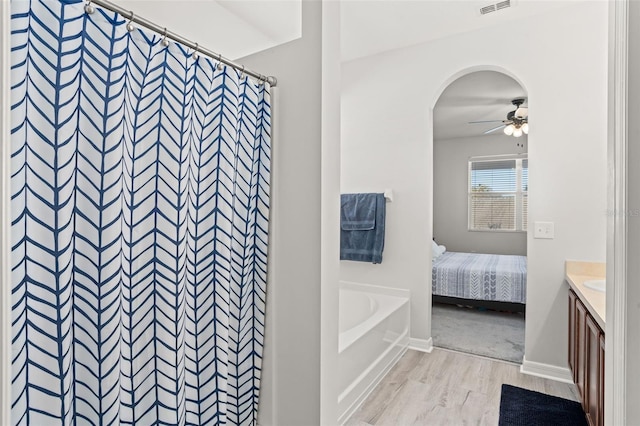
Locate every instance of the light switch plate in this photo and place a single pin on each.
(543, 230)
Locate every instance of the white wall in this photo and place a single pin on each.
(299, 386)
(632, 346)
(387, 143)
(450, 195)
(330, 238)
(290, 389)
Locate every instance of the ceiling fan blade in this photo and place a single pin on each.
(494, 129)
(486, 121)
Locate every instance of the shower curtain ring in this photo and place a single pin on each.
(130, 26)
(242, 72)
(219, 61)
(88, 8)
(165, 41)
(195, 53)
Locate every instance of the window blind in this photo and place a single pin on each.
(497, 194)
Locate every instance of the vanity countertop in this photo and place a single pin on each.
(576, 274)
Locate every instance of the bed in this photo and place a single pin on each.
(480, 277)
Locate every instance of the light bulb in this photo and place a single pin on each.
(509, 130)
(517, 132)
(525, 128)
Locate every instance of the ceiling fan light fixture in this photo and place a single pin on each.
(516, 123)
(509, 130)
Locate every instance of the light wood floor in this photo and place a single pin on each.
(447, 388)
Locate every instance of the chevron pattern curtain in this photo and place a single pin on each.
(140, 212)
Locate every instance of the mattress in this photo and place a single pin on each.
(479, 276)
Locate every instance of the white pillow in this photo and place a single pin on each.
(436, 250)
(441, 250)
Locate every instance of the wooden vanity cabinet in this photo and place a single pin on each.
(586, 359)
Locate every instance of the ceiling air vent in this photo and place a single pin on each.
(503, 4)
(496, 6)
(487, 9)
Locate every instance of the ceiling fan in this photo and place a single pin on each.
(517, 121)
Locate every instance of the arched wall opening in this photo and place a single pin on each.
(478, 210)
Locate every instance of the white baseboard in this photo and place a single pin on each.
(546, 371)
(421, 345)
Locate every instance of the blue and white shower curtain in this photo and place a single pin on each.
(140, 199)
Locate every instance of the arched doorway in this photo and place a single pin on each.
(480, 185)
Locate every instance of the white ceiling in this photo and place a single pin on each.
(482, 95)
(370, 27)
(234, 28)
(237, 28)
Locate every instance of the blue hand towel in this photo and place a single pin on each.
(362, 218)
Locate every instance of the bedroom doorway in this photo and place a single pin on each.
(480, 199)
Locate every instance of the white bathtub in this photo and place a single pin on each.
(374, 333)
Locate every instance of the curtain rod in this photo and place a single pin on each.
(127, 14)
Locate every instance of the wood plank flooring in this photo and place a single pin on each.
(447, 388)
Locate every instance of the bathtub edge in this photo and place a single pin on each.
(346, 415)
(389, 291)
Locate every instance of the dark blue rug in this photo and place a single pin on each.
(523, 407)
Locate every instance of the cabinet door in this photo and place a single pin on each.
(601, 382)
(572, 334)
(592, 385)
(581, 315)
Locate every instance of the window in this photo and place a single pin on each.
(498, 188)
